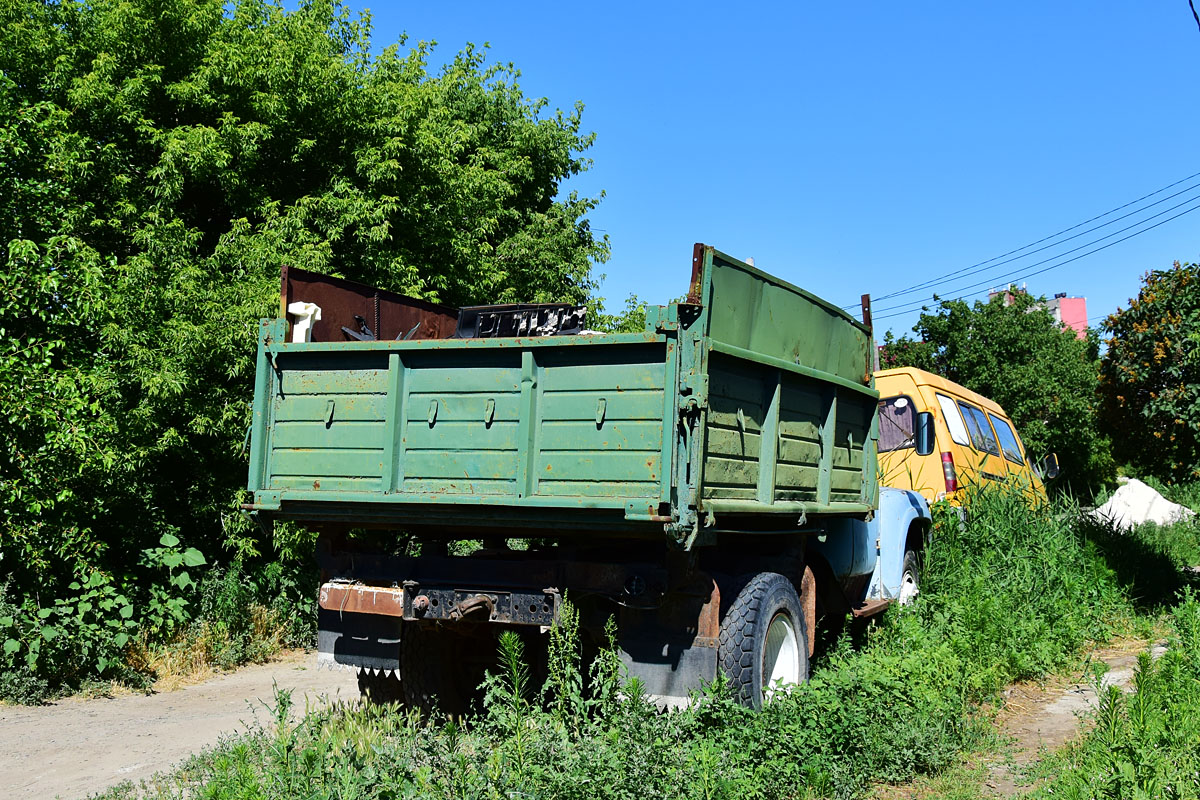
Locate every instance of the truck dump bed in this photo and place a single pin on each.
(746, 406)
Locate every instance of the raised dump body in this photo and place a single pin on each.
(746, 406)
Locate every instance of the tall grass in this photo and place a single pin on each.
(1011, 594)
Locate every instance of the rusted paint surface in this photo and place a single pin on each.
(870, 608)
(808, 606)
(362, 599)
(708, 624)
(696, 284)
(389, 315)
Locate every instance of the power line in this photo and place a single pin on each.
(953, 273)
(999, 279)
(969, 271)
(899, 312)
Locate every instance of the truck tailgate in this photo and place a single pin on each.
(572, 421)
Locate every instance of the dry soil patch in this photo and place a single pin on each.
(1045, 718)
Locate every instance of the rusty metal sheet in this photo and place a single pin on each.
(387, 314)
(869, 608)
(808, 605)
(708, 622)
(362, 599)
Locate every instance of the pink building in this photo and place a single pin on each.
(1070, 312)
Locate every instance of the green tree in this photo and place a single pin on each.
(1042, 374)
(1150, 375)
(159, 161)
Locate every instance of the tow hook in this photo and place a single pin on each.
(471, 604)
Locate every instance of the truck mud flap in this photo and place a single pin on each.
(362, 641)
(672, 650)
(671, 670)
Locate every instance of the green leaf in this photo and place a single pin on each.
(11, 646)
(44, 612)
(168, 540)
(49, 632)
(6, 622)
(126, 612)
(193, 557)
(121, 639)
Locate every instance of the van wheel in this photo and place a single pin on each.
(763, 642)
(910, 578)
(380, 689)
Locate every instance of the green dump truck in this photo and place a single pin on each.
(708, 484)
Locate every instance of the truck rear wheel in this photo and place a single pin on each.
(379, 688)
(763, 642)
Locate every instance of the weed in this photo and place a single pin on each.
(21, 685)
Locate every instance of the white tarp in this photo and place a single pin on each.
(1135, 503)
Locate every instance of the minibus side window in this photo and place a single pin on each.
(897, 421)
(982, 437)
(954, 421)
(1008, 440)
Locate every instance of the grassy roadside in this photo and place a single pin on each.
(232, 615)
(1138, 745)
(1014, 595)
(1145, 744)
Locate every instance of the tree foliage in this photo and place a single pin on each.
(159, 161)
(1042, 374)
(1150, 375)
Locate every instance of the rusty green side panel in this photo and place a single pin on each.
(791, 407)
(750, 399)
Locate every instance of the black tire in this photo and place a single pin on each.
(380, 689)
(442, 669)
(910, 571)
(741, 649)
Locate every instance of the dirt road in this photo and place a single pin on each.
(1046, 719)
(76, 747)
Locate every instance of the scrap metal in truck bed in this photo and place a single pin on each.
(708, 482)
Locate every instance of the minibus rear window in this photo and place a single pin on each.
(897, 420)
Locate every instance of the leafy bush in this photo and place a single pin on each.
(86, 634)
(159, 162)
(244, 617)
(1017, 591)
(1150, 375)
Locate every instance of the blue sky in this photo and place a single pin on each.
(862, 147)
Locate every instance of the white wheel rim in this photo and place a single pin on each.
(781, 655)
(908, 588)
